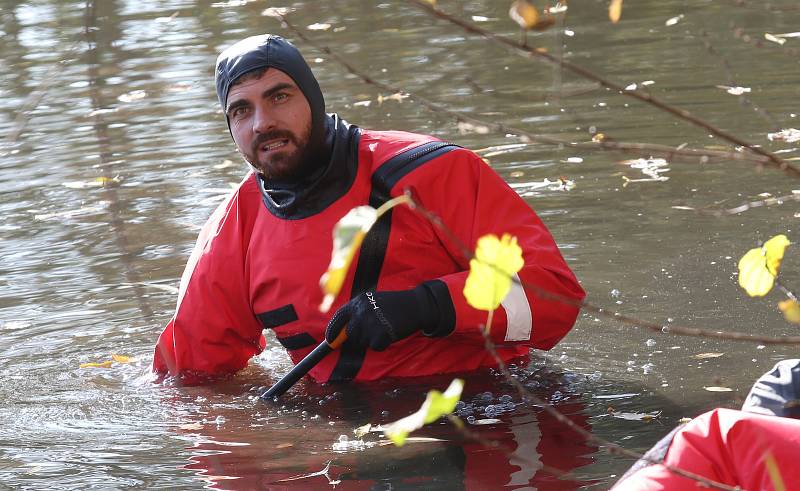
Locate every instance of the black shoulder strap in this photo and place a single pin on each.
(373, 249)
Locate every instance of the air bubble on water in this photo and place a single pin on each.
(505, 398)
(595, 376)
(670, 319)
(615, 293)
(342, 438)
(665, 329)
(631, 363)
(384, 414)
(219, 420)
(486, 396)
(460, 405)
(648, 368)
(471, 419)
(650, 342)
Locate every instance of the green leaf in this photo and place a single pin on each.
(435, 406)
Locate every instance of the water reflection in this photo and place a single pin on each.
(85, 272)
(314, 428)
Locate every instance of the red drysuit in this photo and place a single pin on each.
(254, 269)
(730, 447)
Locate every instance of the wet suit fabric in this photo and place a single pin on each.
(257, 264)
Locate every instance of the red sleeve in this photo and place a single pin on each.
(214, 331)
(479, 202)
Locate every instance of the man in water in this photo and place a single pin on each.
(258, 260)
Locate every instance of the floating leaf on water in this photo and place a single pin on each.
(277, 12)
(631, 87)
(91, 364)
(465, 128)
(517, 174)
(558, 8)
(704, 356)
(791, 310)
(684, 420)
(180, 87)
(598, 137)
(615, 10)
(397, 96)
(348, 234)
(734, 90)
(574, 160)
(718, 389)
(486, 421)
(134, 95)
(191, 426)
(479, 18)
(436, 405)
(98, 182)
(284, 445)
(122, 358)
(225, 164)
(680, 207)
(318, 27)
(362, 103)
(775, 39)
(789, 135)
(630, 416)
(673, 20)
(496, 261)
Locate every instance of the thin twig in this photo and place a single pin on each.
(732, 82)
(611, 448)
(533, 53)
(610, 314)
(700, 155)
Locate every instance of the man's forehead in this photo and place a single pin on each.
(270, 78)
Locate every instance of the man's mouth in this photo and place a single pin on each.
(274, 145)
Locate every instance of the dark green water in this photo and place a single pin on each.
(88, 271)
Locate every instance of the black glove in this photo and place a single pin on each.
(377, 319)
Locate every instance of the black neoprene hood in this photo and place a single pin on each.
(264, 51)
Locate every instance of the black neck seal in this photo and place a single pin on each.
(318, 190)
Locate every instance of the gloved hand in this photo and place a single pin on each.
(377, 319)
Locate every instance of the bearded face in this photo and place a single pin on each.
(270, 120)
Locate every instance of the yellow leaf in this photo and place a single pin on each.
(524, 13)
(105, 364)
(791, 310)
(435, 406)
(348, 234)
(496, 261)
(718, 389)
(759, 267)
(615, 10)
(122, 358)
(774, 249)
(754, 276)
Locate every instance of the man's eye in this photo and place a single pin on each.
(280, 97)
(239, 111)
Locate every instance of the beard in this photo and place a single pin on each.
(282, 164)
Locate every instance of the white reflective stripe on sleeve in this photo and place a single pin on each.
(518, 313)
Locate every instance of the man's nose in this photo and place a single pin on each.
(263, 121)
